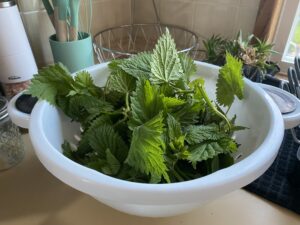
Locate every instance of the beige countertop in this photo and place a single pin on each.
(30, 195)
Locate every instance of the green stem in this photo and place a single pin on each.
(184, 91)
(207, 100)
(125, 112)
(127, 102)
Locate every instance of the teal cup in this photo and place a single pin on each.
(75, 55)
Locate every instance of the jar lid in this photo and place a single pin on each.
(3, 108)
(7, 3)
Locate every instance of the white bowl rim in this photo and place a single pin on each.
(227, 175)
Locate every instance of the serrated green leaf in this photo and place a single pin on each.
(138, 65)
(189, 112)
(44, 91)
(188, 65)
(146, 102)
(84, 79)
(174, 128)
(121, 82)
(109, 165)
(228, 144)
(82, 106)
(203, 152)
(171, 102)
(230, 81)
(104, 137)
(84, 84)
(51, 81)
(196, 134)
(176, 138)
(146, 153)
(209, 150)
(112, 166)
(165, 64)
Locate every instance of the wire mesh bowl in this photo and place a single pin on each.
(127, 40)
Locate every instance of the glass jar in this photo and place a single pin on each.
(11, 147)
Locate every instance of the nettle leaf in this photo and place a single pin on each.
(196, 134)
(146, 102)
(84, 84)
(146, 153)
(188, 65)
(108, 165)
(209, 150)
(176, 138)
(82, 106)
(104, 137)
(112, 164)
(188, 113)
(50, 82)
(171, 102)
(121, 82)
(84, 79)
(44, 91)
(203, 152)
(165, 64)
(174, 128)
(138, 65)
(230, 81)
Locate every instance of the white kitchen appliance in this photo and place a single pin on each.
(17, 63)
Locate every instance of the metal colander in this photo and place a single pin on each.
(127, 40)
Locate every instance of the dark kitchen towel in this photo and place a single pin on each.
(279, 183)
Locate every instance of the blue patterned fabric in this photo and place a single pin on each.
(281, 183)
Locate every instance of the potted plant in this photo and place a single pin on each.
(253, 52)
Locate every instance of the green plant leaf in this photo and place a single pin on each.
(109, 165)
(171, 102)
(121, 82)
(174, 128)
(104, 137)
(138, 65)
(165, 64)
(230, 81)
(204, 151)
(196, 134)
(146, 102)
(176, 138)
(188, 65)
(146, 153)
(84, 79)
(50, 82)
(84, 84)
(112, 166)
(82, 106)
(189, 112)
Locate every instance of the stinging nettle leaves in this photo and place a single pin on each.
(230, 81)
(146, 102)
(171, 102)
(149, 123)
(209, 150)
(146, 153)
(50, 82)
(188, 65)
(104, 137)
(165, 64)
(138, 65)
(121, 82)
(196, 134)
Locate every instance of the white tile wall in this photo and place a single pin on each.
(204, 17)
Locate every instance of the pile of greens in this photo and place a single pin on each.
(149, 123)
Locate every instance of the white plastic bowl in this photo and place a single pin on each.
(259, 146)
